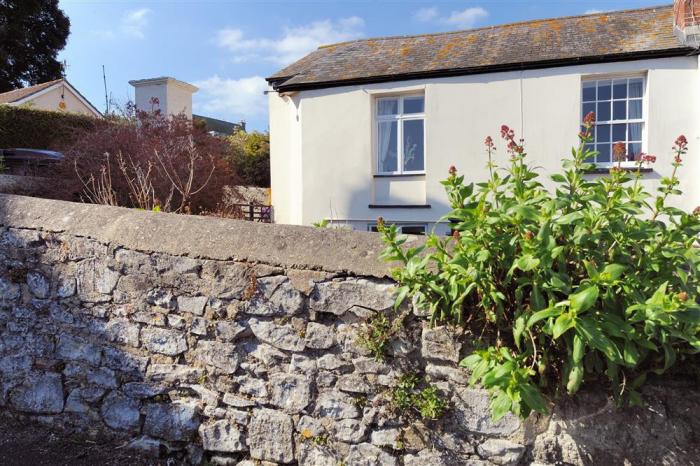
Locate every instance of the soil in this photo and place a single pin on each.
(26, 444)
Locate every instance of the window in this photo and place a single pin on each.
(406, 229)
(619, 111)
(401, 135)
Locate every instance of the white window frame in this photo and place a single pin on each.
(643, 121)
(401, 226)
(399, 118)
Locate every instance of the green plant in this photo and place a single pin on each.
(321, 223)
(595, 279)
(426, 402)
(376, 334)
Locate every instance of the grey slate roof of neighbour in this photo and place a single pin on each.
(621, 35)
(220, 126)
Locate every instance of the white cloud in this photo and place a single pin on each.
(426, 14)
(232, 98)
(294, 43)
(135, 22)
(593, 11)
(464, 19)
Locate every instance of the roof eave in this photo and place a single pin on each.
(278, 83)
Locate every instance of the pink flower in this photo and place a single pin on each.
(488, 142)
(452, 170)
(589, 119)
(647, 158)
(681, 143)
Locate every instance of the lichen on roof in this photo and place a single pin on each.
(593, 37)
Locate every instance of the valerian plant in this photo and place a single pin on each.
(595, 279)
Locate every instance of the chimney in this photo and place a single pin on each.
(170, 96)
(686, 21)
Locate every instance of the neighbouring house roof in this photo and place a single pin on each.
(20, 96)
(220, 126)
(601, 37)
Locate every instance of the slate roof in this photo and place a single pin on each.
(614, 36)
(19, 94)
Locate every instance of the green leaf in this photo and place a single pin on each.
(631, 354)
(527, 262)
(558, 178)
(568, 219)
(470, 361)
(579, 348)
(533, 398)
(612, 272)
(575, 379)
(543, 314)
(584, 300)
(498, 373)
(589, 331)
(500, 405)
(563, 323)
(518, 330)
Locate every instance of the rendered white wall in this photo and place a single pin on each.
(335, 127)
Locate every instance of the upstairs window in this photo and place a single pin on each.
(405, 229)
(619, 110)
(401, 135)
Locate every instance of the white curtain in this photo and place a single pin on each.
(384, 137)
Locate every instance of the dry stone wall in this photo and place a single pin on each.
(222, 356)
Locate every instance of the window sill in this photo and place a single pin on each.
(603, 169)
(399, 206)
(398, 175)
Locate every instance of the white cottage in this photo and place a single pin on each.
(368, 128)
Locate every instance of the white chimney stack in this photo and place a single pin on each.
(170, 96)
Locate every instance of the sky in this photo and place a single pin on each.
(228, 47)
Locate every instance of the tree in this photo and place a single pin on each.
(251, 157)
(32, 32)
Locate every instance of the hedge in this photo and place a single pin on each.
(41, 129)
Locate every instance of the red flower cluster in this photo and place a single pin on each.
(452, 170)
(680, 146)
(619, 152)
(681, 143)
(380, 223)
(509, 135)
(589, 120)
(647, 158)
(488, 142)
(456, 234)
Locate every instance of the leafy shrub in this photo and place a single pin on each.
(149, 162)
(597, 279)
(250, 157)
(41, 129)
(376, 334)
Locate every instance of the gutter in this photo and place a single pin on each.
(278, 82)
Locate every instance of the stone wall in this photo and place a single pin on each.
(236, 343)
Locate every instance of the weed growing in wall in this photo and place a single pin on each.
(597, 279)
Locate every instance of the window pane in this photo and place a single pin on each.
(620, 110)
(603, 133)
(589, 147)
(635, 109)
(603, 153)
(586, 108)
(413, 145)
(603, 113)
(633, 150)
(636, 87)
(387, 106)
(620, 89)
(634, 132)
(604, 90)
(413, 104)
(387, 143)
(372, 228)
(413, 230)
(619, 133)
(588, 92)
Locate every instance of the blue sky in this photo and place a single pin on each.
(227, 48)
